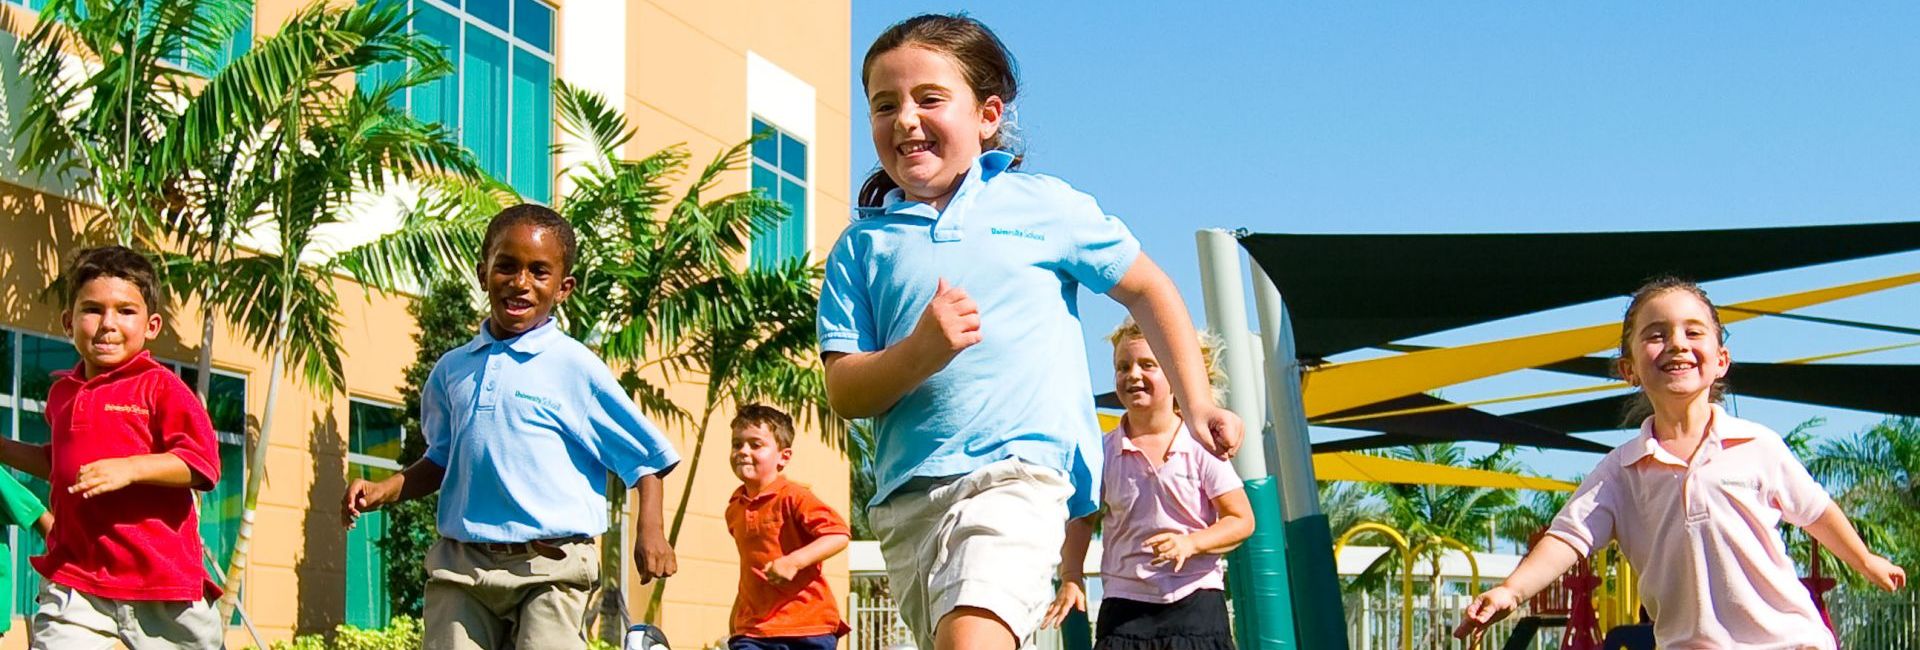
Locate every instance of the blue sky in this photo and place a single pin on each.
(1324, 117)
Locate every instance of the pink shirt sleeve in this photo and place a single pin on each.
(1801, 499)
(1217, 476)
(1587, 519)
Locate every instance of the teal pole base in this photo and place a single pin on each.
(1076, 633)
(1318, 607)
(1257, 577)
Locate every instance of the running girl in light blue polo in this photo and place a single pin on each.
(948, 317)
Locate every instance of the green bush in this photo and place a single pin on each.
(401, 633)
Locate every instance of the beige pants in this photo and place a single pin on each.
(478, 599)
(990, 539)
(65, 618)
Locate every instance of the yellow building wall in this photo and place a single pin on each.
(686, 83)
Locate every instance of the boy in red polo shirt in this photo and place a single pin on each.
(783, 533)
(130, 443)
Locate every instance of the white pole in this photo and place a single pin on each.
(1290, 451)
(1225, 300)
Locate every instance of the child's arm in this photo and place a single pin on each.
(420, 479)
(1835, 532)
(1073, 572)
(866, 384)
(784, 568)
(103, 476)
(35, 460)
(1149, 295)
(1233, 526)
(1549, 558)
(651, 550)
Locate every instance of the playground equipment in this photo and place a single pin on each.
(1408, 554)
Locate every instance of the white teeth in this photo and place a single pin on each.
(914, 147)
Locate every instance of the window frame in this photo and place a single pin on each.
(754, 162)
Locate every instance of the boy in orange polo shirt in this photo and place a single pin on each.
(783, 533)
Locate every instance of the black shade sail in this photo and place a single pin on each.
(1879, 388)
(1346, 292)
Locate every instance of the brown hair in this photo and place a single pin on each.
(772, 418)
(1639, 408)
(985, 62)
(90, 264)
(539, 216)
(1209, 352)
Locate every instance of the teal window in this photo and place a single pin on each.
(374, 436)
(780, 173)
(500, 97)
(26, 362)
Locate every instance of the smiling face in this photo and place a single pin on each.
(525, 275)
(1673, 349)
(1138, 379)
(109, 323)
(756, 456)
(927, 125)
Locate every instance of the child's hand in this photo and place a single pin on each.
(1883, 573)
(654, 555)
(1218, 430)
(363, 496)
(781, 571)
(103, 476)
(1487, 609)
(951, 322)
(1171, 547)
(1071, 597)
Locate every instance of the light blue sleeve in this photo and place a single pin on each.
(845, 322)
(617, 433)
(1098, 247)
(434, 426)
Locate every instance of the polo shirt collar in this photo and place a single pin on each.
(947, 225)
(533, 341)
(1183, 443)
(138, 364)
(779, 483)
(1721, 429)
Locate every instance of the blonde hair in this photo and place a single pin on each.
(1209, 353)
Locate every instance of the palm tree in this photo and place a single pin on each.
(106, 95)
(1872, 474)
(327, 145)
(659, 290)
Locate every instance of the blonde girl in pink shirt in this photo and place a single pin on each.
(1170, 510)
(1695, 500)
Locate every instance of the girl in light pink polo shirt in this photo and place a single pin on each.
(1171, 510)
(1695, 500)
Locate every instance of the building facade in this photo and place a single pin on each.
(703, 73)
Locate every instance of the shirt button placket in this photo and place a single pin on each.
(487, 381)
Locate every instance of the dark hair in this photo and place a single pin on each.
(985, 62)
(1640, 407)
(539, 216)
(90, 264)
(772, 418)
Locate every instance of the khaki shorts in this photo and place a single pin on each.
(483, 599)
(66, 618)
(989, 539)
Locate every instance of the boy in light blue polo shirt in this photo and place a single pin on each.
(523, 425)
(948, 316)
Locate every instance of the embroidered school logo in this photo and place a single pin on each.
(127, 408)
(543, 401)
(1745, 482)
(1017, 232)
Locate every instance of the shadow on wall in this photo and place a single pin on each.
(322, 565)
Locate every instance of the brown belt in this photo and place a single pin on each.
(547, 548)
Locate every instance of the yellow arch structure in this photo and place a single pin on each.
(1406, 575)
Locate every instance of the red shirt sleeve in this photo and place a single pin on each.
(186, 432)
(816, 517)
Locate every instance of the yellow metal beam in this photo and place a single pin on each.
(1349, 385)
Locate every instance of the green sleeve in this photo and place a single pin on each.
(18, 506)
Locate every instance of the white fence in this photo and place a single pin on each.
(877, 626)
(1373, 623)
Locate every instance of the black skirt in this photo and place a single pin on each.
(1197, 622)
